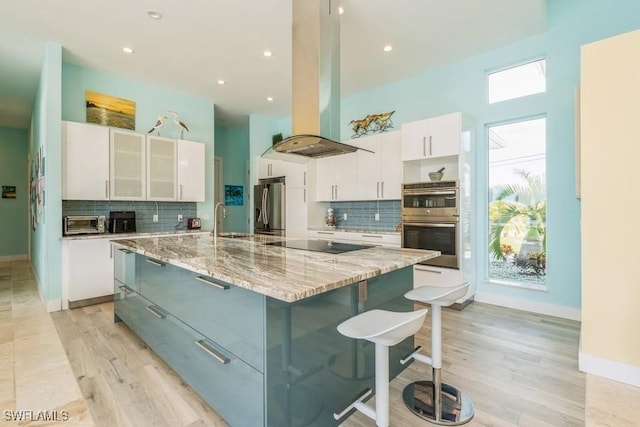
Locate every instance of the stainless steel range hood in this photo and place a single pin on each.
(316, 84)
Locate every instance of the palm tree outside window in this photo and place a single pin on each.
(517, 202)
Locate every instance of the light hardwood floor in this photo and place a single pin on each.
(519, 369)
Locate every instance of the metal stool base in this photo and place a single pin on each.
(456, 408)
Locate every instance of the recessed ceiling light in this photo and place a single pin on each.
(267, 53)
(270, 99)
(127, 49)
(388, 48)
(220, 82)
(154, 15)
(341, 10)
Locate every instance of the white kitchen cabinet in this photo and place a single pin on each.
(426, 275)
(87, 269)
(336, 177)
(85, 161)
(127, 167)
(431, 138)
(191, 171)
(379, 174)
(296, 175)
(296, 212)
(271, 168)
(161, 168)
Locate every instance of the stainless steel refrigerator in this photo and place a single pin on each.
(269, 207)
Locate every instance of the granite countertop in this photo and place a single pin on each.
(285, 274)
(128, 235)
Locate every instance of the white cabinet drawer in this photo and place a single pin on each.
(373, 238)
(426, 275)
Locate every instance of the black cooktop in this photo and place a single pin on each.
(326, 246)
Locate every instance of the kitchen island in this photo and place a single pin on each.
(252, 326)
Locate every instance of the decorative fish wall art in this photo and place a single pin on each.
(372, 123)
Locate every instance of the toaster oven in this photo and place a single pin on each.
(83, 224)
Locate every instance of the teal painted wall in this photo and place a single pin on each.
(151, 101)
(232, 146)
(45, 133)
(14, 213)
(461, 87)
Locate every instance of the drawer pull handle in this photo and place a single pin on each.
(212, 352)
(428, 270)
(377, 236)
(156, 263)
(126, 251)
(156, 312)
(212, 283)
(127, 289)
(326, 232)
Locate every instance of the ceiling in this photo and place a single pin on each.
(198, 42)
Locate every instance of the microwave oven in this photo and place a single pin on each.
(83, 224)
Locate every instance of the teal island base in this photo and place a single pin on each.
(256, 360)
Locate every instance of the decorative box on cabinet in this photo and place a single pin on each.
(379, 174)
(85, 161)
(433, 137)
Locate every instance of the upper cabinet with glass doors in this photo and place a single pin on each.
(431, 138)
(161, 168)
(127, 165)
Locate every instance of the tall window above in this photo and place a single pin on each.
(518, 203)
(517, 81)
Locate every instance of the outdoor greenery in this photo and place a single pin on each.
(518, 224)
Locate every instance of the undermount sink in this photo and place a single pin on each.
(234, 235)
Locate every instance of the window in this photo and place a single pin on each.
(517, 203)
(517, 81)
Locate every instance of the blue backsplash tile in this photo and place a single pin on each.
(167, 212)
(361, 214)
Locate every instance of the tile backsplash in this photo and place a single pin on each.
(361, 214)
(167, 212)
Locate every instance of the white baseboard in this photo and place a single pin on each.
(13, 258)
(555, 310)
(611, 369)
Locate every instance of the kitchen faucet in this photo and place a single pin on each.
(215, 217)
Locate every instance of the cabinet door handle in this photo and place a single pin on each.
(424, 146)
(428, 270)
(304, 178)
(378, 189)
(381, 188)
(304, 195)
(377, 236)
(126, 251)
(430, 146)
(212, 283)
(127, 289)
(106, 189)
(156, 263)
(326, 232)
(212, 352)
(336, 191)
(180, 196)
(156, 312)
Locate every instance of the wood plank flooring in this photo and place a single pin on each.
(518, 368)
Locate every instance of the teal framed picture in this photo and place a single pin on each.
(234, 195)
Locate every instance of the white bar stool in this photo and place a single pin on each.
(435, 401)
(383, 328)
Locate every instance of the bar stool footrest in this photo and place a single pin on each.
(456, 408)
(358, 399)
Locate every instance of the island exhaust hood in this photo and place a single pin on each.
(315, 85)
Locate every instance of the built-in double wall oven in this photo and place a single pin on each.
(431, 220)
